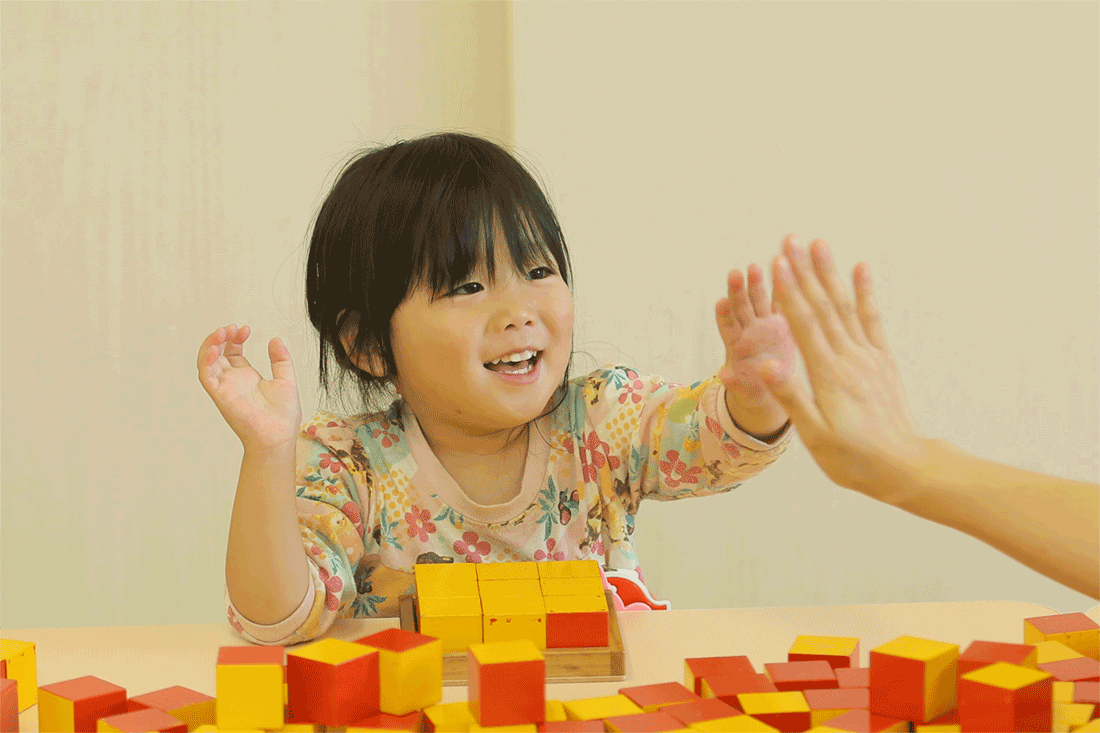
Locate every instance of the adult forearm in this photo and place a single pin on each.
(1050, 524)
(266, 570)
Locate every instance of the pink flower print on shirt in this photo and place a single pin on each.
(592, 447)
(471, 548)
(351, 510)
(675, 466)
(420, 524)
(333, 586)
(331, 462)
(233, 621)
(388, 438)
(716, 429)
(550, 554)
(632, 388)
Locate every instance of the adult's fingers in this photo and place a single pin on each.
(815, 295)
(867, 307)
(803, 321)
(836, 290)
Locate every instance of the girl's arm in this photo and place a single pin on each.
(856, 424)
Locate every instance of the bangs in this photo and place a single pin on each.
(468, 208)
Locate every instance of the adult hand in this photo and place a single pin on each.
(856, 421)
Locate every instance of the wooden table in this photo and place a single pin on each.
(147, 658)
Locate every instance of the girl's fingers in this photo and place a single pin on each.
(758, 294)
(837, 291)
(739, 298)
(814, 295)
(867, 307)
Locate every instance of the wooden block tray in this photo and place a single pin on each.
(590, 664)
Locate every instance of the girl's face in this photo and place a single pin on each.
(441, 348)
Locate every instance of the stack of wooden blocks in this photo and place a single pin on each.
(392, 681)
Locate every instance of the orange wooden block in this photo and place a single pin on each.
(9, 706)
(984, 653)
(507, 683)
(702, 711)
(1086, 692)
(1081, 669)
(913, 679)
(728, 687)
(655, 722)
(863, 721)
(193, 708)
(1076, 630)
(815, 674)
(1005, 697)
(577, 621)
(838, 651)
(829, 703)
(696, 668)
(572, 726)
(652, 698)
(76, 704)
(384, 721)
(853, 676)
(150, 720)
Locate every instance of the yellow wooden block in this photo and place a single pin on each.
(215, 729)
(301, 728)
(1069, 716)
(934, 728)
(572, 586)
(506, 570)
(22, 664)
(1093, 726)
(410, 670)
(763, 703)
(832, 646)
(734, 724)
(555, 711)
(1062, 691)
(517, 650)
(513, 587)
(508, 618)
(55, 713)
(1054, 651)
(523, 728)
(450, 717)
(456, 622)
(576, 604)
(1006, 676)
(1084, 641)
(568, 569)
(941, 664)
(598, 708)
(446, 579)
(249, 696)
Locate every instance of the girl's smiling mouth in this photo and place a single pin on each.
(523, 371)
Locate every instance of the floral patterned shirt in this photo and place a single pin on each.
(373, 499)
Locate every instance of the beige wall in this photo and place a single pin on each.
(161, 165)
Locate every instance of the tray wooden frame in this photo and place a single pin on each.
(587, 664)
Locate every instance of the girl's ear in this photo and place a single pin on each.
(371, 363)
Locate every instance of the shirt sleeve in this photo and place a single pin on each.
(671, 441)
(333, 499)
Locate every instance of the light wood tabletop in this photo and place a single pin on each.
(147, 658)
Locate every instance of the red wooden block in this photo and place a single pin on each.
(850, 698)
(150, 720)
(577, 621)
(816, 674)
(9, 706)
(642, 723)
(506, 692)
(862, 721)
(697, 712)
(412, 722)
(91, 697)
(332, 694)
(727, 687)
(993, 709)
(1086, 692)
(179, 702)
(983, 653)
(835, 661)
(696, 668)
(853, 676)
(252, 655)
(650, 698)
(1079, 669)
(571, 726)
(899, 686)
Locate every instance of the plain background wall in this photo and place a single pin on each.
(952, 146)
(161, 165)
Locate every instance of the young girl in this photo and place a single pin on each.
(439, 283)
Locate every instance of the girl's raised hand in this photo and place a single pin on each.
(856, 422)
(266, 414)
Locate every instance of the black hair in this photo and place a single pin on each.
(418, 213)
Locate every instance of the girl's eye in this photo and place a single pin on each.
(541, 273)
(467, 289)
